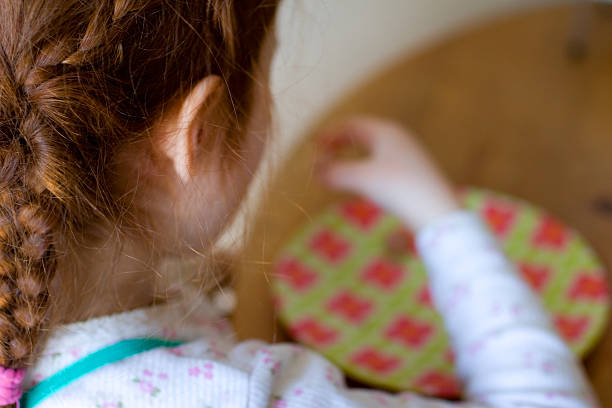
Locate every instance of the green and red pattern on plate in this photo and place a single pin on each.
(351, 286)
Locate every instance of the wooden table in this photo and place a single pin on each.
(499, 106)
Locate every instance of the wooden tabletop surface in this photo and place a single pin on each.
(499, 106)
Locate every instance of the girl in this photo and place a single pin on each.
(129, 130)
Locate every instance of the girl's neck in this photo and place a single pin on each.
(105, 279)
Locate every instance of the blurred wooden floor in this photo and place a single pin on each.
(500, 106)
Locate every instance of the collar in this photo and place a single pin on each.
(179, 320)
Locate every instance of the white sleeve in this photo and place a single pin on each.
(508, 354)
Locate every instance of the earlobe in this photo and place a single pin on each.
(187, 133)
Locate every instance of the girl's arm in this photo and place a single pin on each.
(508, 354)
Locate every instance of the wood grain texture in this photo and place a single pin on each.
(499, 106)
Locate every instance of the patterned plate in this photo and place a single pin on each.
(351, 286)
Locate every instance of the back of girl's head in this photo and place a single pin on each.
(79, 80)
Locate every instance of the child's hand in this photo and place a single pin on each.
(396, 172)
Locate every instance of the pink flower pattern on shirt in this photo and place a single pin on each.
(117, 404)
(279, 402)
(147, 385)
(206, 371)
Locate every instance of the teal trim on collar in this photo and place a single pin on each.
(98, 359)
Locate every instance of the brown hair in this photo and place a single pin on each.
(78, 79)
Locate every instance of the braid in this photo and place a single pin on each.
(29, 220)
(47, 118)
(27, 265)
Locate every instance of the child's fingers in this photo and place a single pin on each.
(344, 142)
(349, 176)
(349, 133)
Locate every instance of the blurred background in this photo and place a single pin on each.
(510, 95)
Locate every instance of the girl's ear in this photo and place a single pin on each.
(188, 131)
